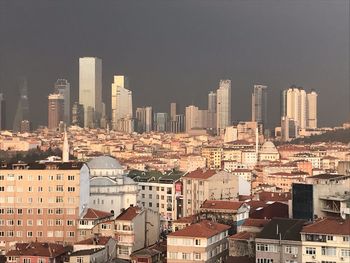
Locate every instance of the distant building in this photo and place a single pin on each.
(196, 118)
(160, 122)
(173, 111)
(204, 241)
(212, 98)
(78, 114)
(144, 118)
(90, 89)
(223, 105)
(311, 104)
(213, 156)
(55, 110)
(22, 111)
(259, 104)
(62, 87)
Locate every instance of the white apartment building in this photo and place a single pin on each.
(223, 105)
(204, 242)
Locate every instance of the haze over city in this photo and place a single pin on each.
(179, 50)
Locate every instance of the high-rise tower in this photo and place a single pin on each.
(223, 105)
(62, 87)
(22, 112)
(121, 100)
(212, 110)
(55, 110)
(90, 89)
(259, 104)
(311, 104)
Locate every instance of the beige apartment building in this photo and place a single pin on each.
(213, 156)
(205, 241)
(41, 201)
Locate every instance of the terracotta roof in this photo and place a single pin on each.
(200, 174)
(273, 196)
(129, 214)
(96, 214)
(240, 259)
(255, 222)
(100, 240)
(40, 249)
(333, 226)
(222, 204)
(243, 236)
(86, 252)
(326, 176)
(204, 229)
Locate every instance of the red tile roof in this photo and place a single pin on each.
(255, 222)
(200, 174)
(222, 205)
(39, 249)
(96, 214)
(204, 229)
(129, 214)
(275, 196)
(333, 226)
(100, 240)
(243, 236)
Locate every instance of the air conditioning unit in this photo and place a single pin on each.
(295, 256)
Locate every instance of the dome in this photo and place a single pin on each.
(104, 162)
(268, 147)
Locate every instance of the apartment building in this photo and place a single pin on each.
(41, 201)
(201, 185)
(280, 241)
(205, 241)
(213, 156)
(326, 240)
(284, 180)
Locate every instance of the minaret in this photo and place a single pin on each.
(65, 148)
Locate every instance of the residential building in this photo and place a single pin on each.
(62, 87)
(55, 111)
(204, 241)
(311, 104)
(90, 89)
(201, 185)
(97, 242)
(98, 255)
(121, 100)
(42, 201)
(189, 163)
(213, 156)
(223, 105)
(326, 240)
(280, 241)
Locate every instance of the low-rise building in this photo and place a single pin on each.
(96, 255)
(205, 241)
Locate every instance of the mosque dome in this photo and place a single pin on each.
(104, 162)
(268, 147)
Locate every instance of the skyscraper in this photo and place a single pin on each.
(161, 121)
(212, 110)
(90, 89)
(223, 105)
(172, 111)
(62, 87)
(2, 112)
(259, 104)
(195, 118)
(311, 100)
(55, 110)
(78, 114)
(22, 112)
(144, 118)
(121, 100)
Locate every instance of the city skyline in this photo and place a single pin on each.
(276, 61)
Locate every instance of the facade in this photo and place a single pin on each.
(78, 114)
(98, 255)
(196, 118)
(201, 185)
(173, 111)
(259, 104)
(90, 89)
(161, 122)
(213, 156)
(144, 118)
(326, 240)
(280, 241)
(110, 189)
(204, 241)
(223, 105)
(311, 104)
(268, 152)
(62, 87)
(121, 100)
(55, 111)
(41, 201)
(212, 110)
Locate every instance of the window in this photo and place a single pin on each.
(70, 177)
(59, 188)
(29, 234)
(310, 251)
(266, 248)
(40, 189)
(197, 242)
(186, 256)
(10, 211)
(150, 196)
(41, 260)
(40, 211)
(2, 188)
(80, 259)
(30, 211)
(40, 234)
(345, 253)
(71, 189)
(143, 195)
(59, 177)
(197, 256)
(330, 238)
(59, 211)
(150, 204)
(143, 187)
(264, 260)
(150, 188)
(123, 250)
(40, 177)
(329, 251)
(70, 222)
(39, 222)
(71, 234)
(291, 250)
(58, 222)
(59, 199)
(173, 255)
(26, 260)
(50, 211)
(29, 222)
(19, 223)
(346, 239)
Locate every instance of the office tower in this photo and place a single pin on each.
(172, 111)
(90, 89)
(25, 126)
(144, 118)
(161, 122)
(62, 87)
(22, 112)
(259, 104)
(45, 202)
(2, 112)
(196, 118)
(78, 114)
(212, 110)
(311, 100)
(55, 110)
(223, 105)
(289, 129)
(126, 125)
(180, 123)
(283, 103)
(121, 100)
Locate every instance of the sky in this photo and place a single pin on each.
(178, 50)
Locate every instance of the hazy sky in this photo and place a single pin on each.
(178, 50)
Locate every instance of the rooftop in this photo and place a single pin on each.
(96, 214)
(129, 214)
(99, 240)
(104, 162)
(86, 252)
(333, 226)
(221, 205)
(200, 174)
(205, 229)
(40, 249)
